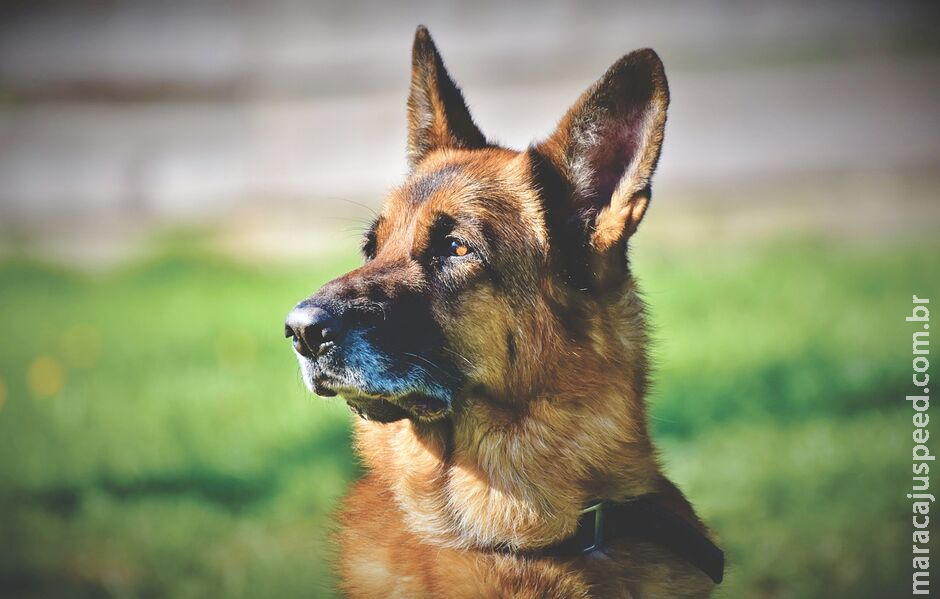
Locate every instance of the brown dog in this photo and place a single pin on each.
(495, 347)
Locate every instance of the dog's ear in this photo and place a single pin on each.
(606, 148)
(437, 114)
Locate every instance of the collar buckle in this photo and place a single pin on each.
(596, 512)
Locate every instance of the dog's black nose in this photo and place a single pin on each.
(313, 329)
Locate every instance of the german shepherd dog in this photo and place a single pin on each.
(494, 345)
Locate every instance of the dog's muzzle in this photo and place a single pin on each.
(337, 358)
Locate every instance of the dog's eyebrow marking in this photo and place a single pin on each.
(424, 186)
(440, 227)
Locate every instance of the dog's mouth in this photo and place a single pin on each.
(377, 407)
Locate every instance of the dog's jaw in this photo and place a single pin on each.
(370, 392)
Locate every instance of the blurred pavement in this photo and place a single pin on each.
(118, 116)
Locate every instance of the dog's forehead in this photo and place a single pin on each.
(460, 175)
(491, 184)
(425, 185)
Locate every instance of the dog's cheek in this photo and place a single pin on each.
(475, 326)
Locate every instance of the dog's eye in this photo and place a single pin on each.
(455, 247)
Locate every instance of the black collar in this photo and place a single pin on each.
(641, 518)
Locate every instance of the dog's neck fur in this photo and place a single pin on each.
(493, 474)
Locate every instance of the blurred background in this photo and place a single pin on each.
(174, 176)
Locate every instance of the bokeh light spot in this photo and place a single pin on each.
(45, 377)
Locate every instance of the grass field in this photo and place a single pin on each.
(155, 438)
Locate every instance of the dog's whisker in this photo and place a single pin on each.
(459, 355)
(360, 204)
(430, 363)
(350, 219)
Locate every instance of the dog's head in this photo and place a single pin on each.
(489, 267)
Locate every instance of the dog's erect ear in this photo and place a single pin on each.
(608, 144)
(437, 114)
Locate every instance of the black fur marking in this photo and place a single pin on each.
(567, 231)
(511, 348)
(370, 242)
(424, 186)
(574, 318)
(493, 248)
(440, 228)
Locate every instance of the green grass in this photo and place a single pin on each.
(155, 438)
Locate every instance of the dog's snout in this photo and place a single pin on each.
(313, 329)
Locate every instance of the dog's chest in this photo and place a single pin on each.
(379, 557)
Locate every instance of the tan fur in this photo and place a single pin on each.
(555, 416)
